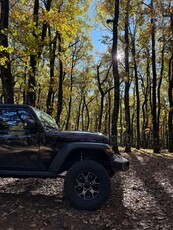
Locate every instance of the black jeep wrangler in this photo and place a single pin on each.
(32, 146)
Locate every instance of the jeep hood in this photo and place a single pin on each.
(78, 136)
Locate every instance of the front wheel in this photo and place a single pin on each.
(87, 185)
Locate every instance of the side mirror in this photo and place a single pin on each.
(30, 125)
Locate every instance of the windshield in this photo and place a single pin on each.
(47, 121)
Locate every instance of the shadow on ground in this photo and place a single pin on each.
(141, 199)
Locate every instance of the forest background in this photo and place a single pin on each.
(47, 60)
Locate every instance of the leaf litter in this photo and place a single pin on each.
(141, 198)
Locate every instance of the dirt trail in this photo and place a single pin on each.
(141, 198)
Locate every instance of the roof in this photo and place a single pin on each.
(14, 106)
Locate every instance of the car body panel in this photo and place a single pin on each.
(18, 148)
(42, 151)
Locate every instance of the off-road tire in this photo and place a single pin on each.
(87, 185)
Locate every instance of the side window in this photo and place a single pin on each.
(12, 121)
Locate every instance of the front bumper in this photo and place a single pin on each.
(119, 163)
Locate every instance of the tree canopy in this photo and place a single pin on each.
(47, 60)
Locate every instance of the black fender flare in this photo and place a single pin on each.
(65, 151)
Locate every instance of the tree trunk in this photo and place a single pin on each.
(127, 83)
(156, 147)
(102, 93)
(79, 111)
(31, 94)
(145, 108)
(109, 114)
(71, 91)
(51, 93)
(60, 84)
(101, 112)
(45, 25)
(82, 114)
(121, 124)
(170, 116)
(87, 115)
(159, 86)
(101, 102)
(116, 79)
(138, 144)
(5, 70)
(170, 94)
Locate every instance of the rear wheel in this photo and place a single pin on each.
(87, 185)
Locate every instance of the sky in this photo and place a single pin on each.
(96, 34)
(96, 39)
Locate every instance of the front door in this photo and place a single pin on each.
(19, 148)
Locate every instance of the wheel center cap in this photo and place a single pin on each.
(87, 185)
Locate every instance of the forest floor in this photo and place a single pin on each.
(141, 198)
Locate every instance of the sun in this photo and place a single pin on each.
(120, 55)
